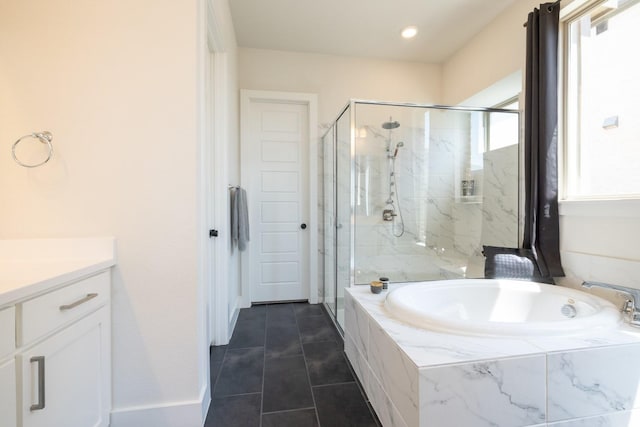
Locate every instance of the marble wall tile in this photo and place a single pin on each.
(386, 411)
(616, 419)
(500, 197)
(468, 228)
(499, 393)
(357, 324)
(358, 363)
(397, 374)
(593, 381)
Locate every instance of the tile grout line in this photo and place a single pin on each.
(290, 410)
(306, 368)
(332, 384)
(243, 348)
(238, 394)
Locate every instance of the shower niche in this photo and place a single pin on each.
(412, 192)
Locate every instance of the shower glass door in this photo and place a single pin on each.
(432, 186)
(328, 219)
(344, 258)
(412, 193)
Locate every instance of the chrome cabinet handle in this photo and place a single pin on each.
(40, 361)
(77, 303)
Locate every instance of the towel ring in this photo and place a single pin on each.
(45, 137)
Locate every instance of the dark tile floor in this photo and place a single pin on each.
(285, 367)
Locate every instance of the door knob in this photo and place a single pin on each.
(303, 225)
(213, 233)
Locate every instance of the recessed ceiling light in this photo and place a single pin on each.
(409, 32)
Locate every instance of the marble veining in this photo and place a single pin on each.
(583, 383)
(491, 393)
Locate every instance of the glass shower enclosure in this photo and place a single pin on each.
(413, 192)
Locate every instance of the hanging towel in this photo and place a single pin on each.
(239, 218)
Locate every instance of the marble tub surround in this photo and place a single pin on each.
(416, 377)
(31, 266)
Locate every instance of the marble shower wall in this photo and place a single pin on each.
(443, 231)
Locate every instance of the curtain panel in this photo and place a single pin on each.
(541, 228)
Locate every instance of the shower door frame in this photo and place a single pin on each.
(351, 106)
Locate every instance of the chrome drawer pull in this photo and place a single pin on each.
(77, 303)
(40, 361)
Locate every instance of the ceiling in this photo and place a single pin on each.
(363, 28)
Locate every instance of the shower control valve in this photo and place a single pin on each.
(388, 214)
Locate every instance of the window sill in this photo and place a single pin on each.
(618, 208)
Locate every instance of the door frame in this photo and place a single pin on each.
(216, 171)
(311, 101)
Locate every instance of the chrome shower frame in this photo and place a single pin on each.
(351, 109)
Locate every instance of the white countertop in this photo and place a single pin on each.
(29, 267)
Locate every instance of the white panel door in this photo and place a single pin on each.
(276, 157)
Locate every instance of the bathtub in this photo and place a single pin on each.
(490, 307)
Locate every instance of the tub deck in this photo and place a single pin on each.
(420, 378)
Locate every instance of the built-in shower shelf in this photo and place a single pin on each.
(469, 199)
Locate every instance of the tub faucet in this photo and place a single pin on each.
(632, 299)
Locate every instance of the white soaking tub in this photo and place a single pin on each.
(491, 307)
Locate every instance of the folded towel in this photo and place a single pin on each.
(239, 218)
(243, 220)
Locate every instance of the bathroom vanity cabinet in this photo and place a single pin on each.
(59, 371)
(55, 342)
(65, 364)
(8, 395)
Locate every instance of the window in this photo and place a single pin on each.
(493, 130)
(602, 101)
(503, 128)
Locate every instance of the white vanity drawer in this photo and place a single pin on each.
(47, 312)
(7, 331)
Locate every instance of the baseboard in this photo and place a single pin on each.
(172, 414)
(234, 318)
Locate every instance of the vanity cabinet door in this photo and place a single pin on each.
(8, 409)
(66, 377)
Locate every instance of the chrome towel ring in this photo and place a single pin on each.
(44, 137)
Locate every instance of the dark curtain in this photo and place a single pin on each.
(541, 228)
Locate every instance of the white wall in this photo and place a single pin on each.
(117, 84)
(599, 242)
(493, 54)
(336, 79)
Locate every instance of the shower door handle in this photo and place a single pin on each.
(303, 226)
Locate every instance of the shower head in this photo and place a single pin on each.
(390, 124)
